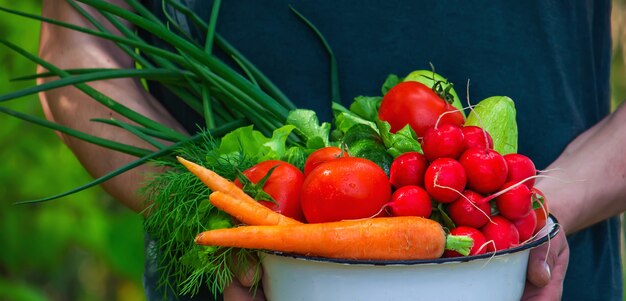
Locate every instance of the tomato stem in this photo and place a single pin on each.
(256, 190)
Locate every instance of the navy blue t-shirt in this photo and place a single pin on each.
(551, 57)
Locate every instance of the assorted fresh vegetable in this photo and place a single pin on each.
(404, 176)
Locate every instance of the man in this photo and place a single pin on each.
(552, 58)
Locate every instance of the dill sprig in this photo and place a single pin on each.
(180, 210)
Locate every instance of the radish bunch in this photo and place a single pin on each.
(483, 193)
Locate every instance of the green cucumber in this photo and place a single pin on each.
(364, 142)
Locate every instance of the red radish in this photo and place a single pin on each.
(514, 203)
(444, 180)
(543, 211)
(485, 168)
(479, 246)
(474, 136)
(520, 167)
(501, 232)
(408, 169)
(468, 210)
(526, 226)
(442, 141)
(411, 201)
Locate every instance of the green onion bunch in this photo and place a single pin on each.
(226, 97)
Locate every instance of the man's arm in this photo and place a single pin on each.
(71, 107)
(591, 175)
(588, 186)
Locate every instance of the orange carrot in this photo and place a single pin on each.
(385, 238)
(249, 212)
(213, 180)
(239, 204)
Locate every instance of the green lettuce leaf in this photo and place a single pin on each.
(345, 119)
(249, 143)
(366, 107)
(307, 125)
(404, 140)
(390, 81)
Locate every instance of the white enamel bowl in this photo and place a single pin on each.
(498, 277)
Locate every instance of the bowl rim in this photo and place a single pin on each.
(552, 221)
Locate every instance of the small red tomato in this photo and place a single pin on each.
(344, 188)
(411, 201)
(283, 185)
(417, 105)
(443, 141)
(322, 155)
(408, 169)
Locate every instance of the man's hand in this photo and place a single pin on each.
(241, 289)
(546, 270)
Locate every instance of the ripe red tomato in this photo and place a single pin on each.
(418, 105)
(322, 155)
(283, 186)
(344, 188)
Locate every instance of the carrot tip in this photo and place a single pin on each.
(199, 238)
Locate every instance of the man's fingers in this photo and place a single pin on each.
(543, 260)
(554, 289)
(237, 292)
(247, 274)
(246, 284)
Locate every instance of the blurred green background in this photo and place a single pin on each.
(83, 247)
(86, 246)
